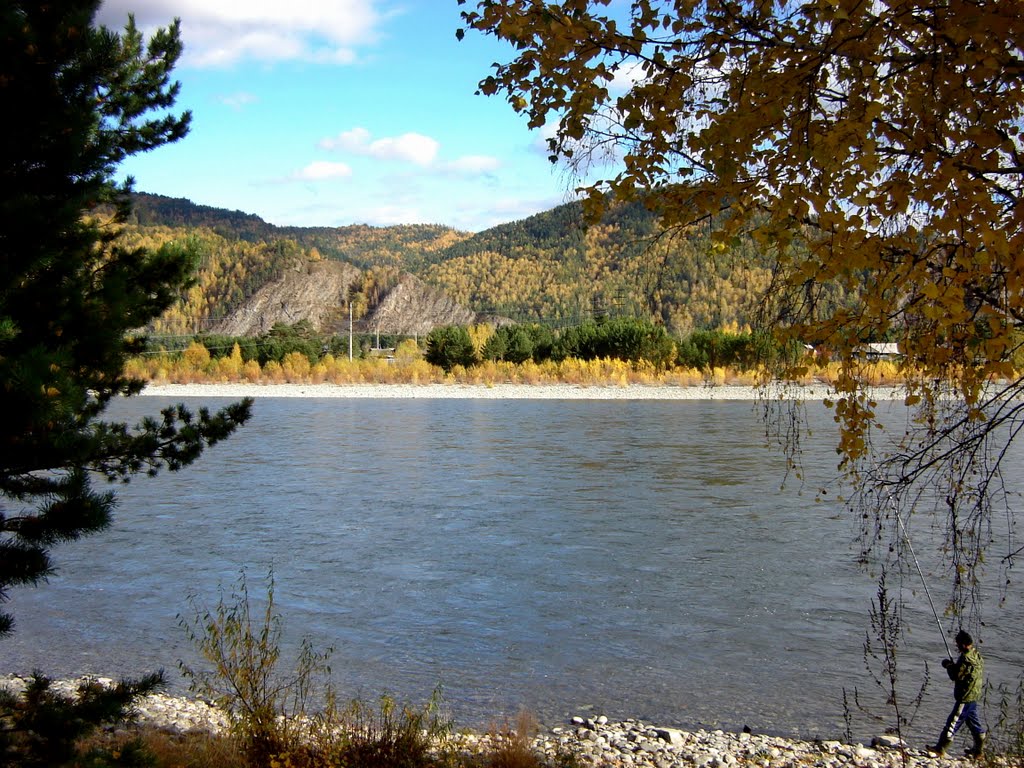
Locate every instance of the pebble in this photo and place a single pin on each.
(596, 741)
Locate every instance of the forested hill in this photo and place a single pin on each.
(549, 267)
(360, 245)
(556, 268)
(159, 211)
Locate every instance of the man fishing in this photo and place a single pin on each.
(966, 673)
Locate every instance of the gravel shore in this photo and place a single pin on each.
(597, 742)
(507, 391)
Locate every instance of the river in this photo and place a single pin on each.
(628, 558)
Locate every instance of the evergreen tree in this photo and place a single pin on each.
(77, 100)
(450, 346)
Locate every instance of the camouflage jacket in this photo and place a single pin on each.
(967, 673)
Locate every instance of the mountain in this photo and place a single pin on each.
(158, 211)
(253, 275)
(551, 267)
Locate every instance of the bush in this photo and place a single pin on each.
(385, 736)
(41, 727)
(271, 713)
(156, 747)
(513, 747)
(1006, 736)
(265, 706)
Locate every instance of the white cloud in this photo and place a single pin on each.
(237, 101)
(626, 76)
(224, 32)
(409, 147)
(547, 131)
(390, 215)
(473, 165)
(322, 170)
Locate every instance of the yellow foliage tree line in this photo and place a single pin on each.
(195, 365)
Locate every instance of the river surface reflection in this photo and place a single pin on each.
(631, 558)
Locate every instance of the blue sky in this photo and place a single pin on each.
(335, 112)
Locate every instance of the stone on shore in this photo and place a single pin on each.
(598, 743)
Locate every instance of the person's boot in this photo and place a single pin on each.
(939, 749)
(979, 744)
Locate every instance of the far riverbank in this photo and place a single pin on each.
(510, 391)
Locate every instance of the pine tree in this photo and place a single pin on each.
(78, 99)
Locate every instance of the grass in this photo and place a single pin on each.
(163, 748)
(385, 736)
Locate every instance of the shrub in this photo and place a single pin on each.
(1006, 736)
(196, 358)
(387, 735)
(266, 707)
(407, 352)
(513, 747)
(295, 366)
(41, 726)
(271, 713)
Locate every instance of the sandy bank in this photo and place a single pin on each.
(500, 391)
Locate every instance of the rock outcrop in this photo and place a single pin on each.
(317, 291)
(314, 291)
(413, 307)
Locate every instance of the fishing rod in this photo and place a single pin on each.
(924, 583)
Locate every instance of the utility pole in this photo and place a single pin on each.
(350, 331)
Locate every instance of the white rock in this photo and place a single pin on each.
(672, 735)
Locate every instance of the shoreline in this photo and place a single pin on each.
(593, 742)
(505, 391)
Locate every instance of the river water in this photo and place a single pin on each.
(628, 558)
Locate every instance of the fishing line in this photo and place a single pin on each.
(924, 582)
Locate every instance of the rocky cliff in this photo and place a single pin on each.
(412, 307)
(317, 291)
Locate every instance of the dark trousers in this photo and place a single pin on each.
(964, 712)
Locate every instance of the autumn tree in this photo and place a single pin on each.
(870, 148)
(77, 100)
